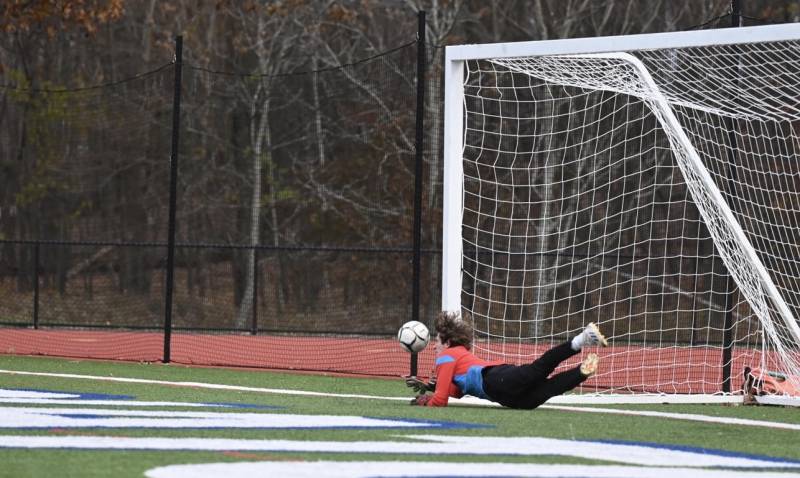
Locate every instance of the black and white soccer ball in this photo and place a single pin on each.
(413, 336)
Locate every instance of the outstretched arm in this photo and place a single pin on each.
(445, 367)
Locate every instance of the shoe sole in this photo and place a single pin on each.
(601, 339)
(589, 365)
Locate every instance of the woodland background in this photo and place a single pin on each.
(295, 193)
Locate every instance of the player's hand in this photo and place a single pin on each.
(421, 400)
(420, 386)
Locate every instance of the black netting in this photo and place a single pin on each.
(295, 200)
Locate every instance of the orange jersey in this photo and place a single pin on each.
(458, 373)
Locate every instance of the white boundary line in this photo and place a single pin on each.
(396, 468)
(643, 454)
(620, 399)
(682, 416)
(216, 386)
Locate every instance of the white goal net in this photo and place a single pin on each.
(650, 184)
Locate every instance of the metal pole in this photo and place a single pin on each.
(36, 286)
(730, 286)
(694, 296)
(173, 187)
(418, 145)
(254, 323)
(736, 13)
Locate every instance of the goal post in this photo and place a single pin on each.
(620, 180)
(453, 184)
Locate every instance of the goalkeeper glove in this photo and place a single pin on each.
(419, 386)
(421, 400)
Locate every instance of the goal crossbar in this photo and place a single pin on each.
(626, 43)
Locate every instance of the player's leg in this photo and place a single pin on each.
(507, 384)
(558, 384)
(542, 367)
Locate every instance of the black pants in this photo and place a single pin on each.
(527, 386)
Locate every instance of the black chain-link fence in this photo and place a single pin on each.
(294, 212)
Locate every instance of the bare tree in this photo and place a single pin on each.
(269, 31)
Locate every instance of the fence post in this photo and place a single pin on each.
(173, 186)
(254, 324)
(418, 146)
(36, 285)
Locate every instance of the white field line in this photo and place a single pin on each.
(217, 386)
(111, 403)
(681, 416)
(214, 386)
(355, 469)
(650, 455)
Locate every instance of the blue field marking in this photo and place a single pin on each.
(697, 449)
(251, 406)
(438, 424)
(426, 425)
(80, 395)
(77, 397)
(79, 417)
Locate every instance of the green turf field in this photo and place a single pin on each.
(481, 422)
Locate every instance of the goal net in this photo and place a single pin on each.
(650, 184)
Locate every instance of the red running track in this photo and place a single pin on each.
(634, 368)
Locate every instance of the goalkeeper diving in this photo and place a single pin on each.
(458, 372)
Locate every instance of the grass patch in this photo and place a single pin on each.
(498, 422)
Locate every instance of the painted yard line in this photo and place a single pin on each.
(50, 418)
(680, 416)
(357, 469)
(469, 401)
(28, 397)
(119, 403)
(213, 386)
(648, 454)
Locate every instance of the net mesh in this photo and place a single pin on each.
(596, 189)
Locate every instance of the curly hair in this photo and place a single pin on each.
(453, 330)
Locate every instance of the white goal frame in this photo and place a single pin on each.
(615, 47)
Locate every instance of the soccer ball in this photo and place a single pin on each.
(413, 336)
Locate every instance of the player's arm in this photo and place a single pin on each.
(445, 368)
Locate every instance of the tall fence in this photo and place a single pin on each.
(294, 215)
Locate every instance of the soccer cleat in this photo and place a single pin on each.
(592, 336)
(589, 365)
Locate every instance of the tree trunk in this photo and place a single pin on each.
(260, 139)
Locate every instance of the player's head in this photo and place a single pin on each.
(452, 330)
